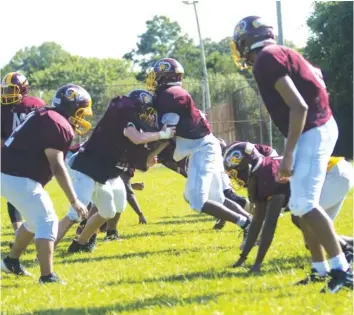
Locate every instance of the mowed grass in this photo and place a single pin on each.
(176, 264)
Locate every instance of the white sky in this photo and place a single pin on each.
(110, 28)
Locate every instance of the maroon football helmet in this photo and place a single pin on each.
(14, 87)
(237, 159)
(249, 34)
(166, 71)
(74, 102)
(144, 103)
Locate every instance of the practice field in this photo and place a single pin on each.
(176, 264)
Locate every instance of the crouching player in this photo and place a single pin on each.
(269, 198)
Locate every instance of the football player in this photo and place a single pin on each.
(270, 196)
(229, 191)
(15, 105)
(117, 143)
(194, 139)
(31, 156)
(296, 98)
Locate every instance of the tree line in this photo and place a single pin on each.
(330, 46)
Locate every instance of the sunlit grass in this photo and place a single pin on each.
(174, 265)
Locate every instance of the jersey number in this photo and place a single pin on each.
(17, 124)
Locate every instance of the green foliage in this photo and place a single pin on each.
(331, 47)
(48, 66)
(176, 264)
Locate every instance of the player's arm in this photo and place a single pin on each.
(138, 137)
(156, 151)
(298, 111)
(255, 227)
(274, 206)
(59, 170)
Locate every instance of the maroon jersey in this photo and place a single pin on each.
(13, 115)
(23, 153)
(262, 180)
(108, 147)
(192, 123)
(274, 62)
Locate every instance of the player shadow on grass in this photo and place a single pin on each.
(158, 301)
(186, 277)
(195, 215)
(84, 257)
(200, 218)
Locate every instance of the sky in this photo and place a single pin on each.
(110, 28)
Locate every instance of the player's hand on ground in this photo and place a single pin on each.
(240, 262)
(285, 170)
(80, 208)
(256, 268)
(138, 186)
(142, 219)
(167, 132)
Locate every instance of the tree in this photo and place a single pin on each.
(155, 43)
(330, 46)
(48, 66)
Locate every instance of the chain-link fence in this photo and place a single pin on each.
(237, 111)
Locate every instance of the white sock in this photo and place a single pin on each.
(321, 267)
(339, 262)
(241, 222)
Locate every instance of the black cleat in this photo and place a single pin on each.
(92, 242)
(348, 253)
(75, 247)
(9, 265)
(219, 224)
(112, 235)
(52, 278)
(339, 279)
(312, 278)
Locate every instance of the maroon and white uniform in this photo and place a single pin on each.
(320, 134)
(262, 184)
(104, 156)
(25, 168)
(194, 140)
(14, 114)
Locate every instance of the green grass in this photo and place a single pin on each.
(174, 265)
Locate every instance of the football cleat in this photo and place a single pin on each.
(75, 247)
(112, 235)
(9, 265)
(51, 278)
(339, 279)
(348, 253)
(219, 224)
(312, 277)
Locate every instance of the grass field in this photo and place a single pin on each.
(174, 265)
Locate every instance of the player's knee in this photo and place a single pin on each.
(197, 204)
(47, 229)
(73, 215)
(29, 227)
(121, 206)
(107, 212)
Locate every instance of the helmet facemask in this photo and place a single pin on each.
(151, 83)
(80, 125)
(12, 93)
